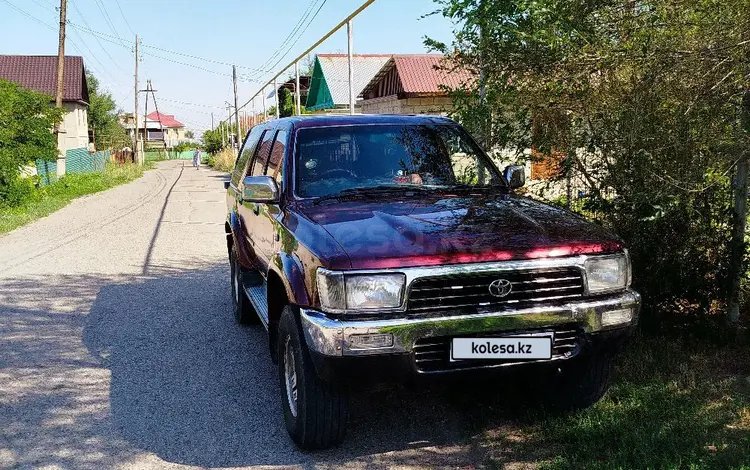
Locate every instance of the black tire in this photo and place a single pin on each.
(243, 310)
(583, 383)
(321, 414)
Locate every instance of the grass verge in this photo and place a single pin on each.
(674, 405)
(59, 194)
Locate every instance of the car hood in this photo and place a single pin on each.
(434, 229)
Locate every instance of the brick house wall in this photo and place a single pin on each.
(392, 105)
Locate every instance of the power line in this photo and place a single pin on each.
(96, 38)
(304, 16)
(105, 14)
(192, 104)
(124, 17)
(298, 37)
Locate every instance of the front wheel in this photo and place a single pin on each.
(315, 411)
(584, 383)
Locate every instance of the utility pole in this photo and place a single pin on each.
(158, 114)
(136, 158)
(351, 68)
(236, 107)
(265, 113)
(212, 120)
(276, 90)
(145, 117)
(297, 106)
(61, 55)
(59, 91)
(229, 123)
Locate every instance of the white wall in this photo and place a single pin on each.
(74, 130)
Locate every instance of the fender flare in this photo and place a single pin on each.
(236, 232)
(289, 269)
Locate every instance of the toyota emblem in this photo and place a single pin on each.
(500, 287)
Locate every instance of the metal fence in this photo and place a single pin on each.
(76, 161)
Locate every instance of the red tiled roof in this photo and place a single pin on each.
(354, 55)
(167, 120)
(420, 74)
(39, 73)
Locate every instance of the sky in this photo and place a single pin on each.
(177, 36)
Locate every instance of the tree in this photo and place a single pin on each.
(26, 121)
(286, 101)
(102, 117)
(189, 134)
(641, 100)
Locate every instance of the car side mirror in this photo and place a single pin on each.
(515, 175)
(260, 189)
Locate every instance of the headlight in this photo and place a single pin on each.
(607, 273)
(339, 291)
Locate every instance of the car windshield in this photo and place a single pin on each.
(330, 160)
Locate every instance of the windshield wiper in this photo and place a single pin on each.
(371, 192)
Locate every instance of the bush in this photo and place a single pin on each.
(224, 160)
(184, 146)
(17, 192)
(26, 118)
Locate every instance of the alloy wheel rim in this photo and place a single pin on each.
(290, 377)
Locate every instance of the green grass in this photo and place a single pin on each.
(674, 405)
(59, 194)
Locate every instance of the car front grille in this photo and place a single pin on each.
(472, 291)
(433, 354)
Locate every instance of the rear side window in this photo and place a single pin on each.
(261, 158)
(247, 151)
(275, 163)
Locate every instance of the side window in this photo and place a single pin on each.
(275, 163)
(247, 151)
(261, 158)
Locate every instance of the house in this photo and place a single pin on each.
(304, 87)
(39, 73)
(412, 84)
(161, 129)
(329, 84)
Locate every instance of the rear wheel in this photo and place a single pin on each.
(315, 411)
(243, 311)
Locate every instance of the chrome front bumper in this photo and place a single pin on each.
(332, 337)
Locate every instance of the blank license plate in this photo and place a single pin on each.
(509, 347)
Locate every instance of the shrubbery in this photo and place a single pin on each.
(642, 101)
(26, 119)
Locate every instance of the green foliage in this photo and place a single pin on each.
(644, 100)
(212, 139)
(26, 122)
(189, 134)
(287, 102)
(47, 199)
(184, 146)
(102, 118)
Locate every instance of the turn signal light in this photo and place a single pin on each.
(371, 341)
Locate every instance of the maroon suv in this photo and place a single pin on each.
(391, 247)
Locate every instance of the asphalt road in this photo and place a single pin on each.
(118, 350)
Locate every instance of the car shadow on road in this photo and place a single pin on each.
(191, 386)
